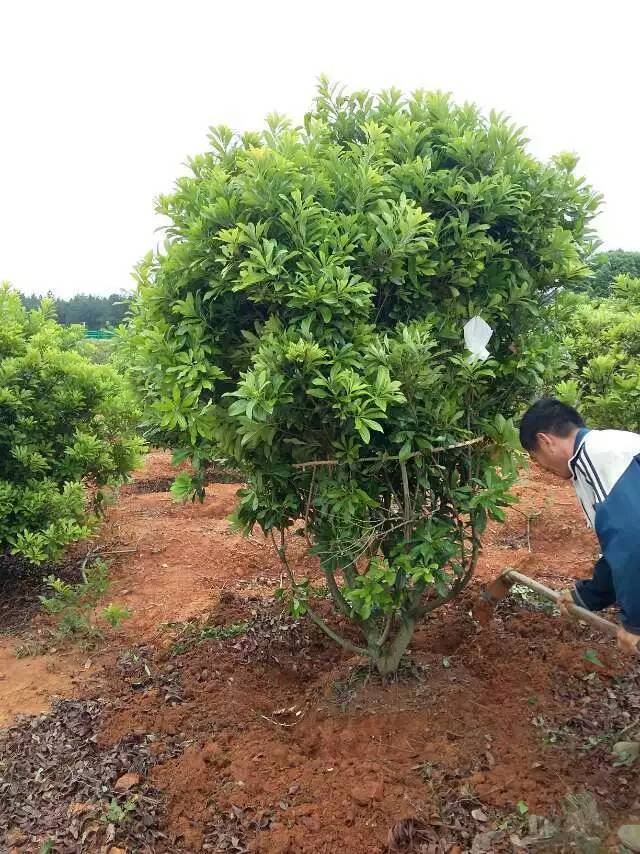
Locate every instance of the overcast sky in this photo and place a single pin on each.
(101, 102)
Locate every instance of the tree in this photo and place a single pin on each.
(607, 266)
(64, 423)
(306, 319)
(602, 369)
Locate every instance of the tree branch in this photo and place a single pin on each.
(336, 594)
(382, 458)
(344, 643)
(315, 618)
(385, 632)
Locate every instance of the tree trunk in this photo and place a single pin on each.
(388, 660)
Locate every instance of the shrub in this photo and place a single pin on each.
(608, 266)
(602, 370)
(309, 305)
(64, 423)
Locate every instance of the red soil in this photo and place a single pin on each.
(352, 756)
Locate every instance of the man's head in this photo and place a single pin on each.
(548, 431)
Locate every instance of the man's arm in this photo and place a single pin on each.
(597, 592)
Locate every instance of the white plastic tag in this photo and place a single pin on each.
(477, 334)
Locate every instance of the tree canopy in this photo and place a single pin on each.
(602, 367)
(310, 304)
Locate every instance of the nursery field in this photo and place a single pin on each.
(210, 721)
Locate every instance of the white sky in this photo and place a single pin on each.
(101, 102)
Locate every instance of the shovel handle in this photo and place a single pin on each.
(513, 577)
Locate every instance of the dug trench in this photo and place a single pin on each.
(271, 739)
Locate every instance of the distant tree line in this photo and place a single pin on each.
(605, 267)
(608, 265)
(96, 312)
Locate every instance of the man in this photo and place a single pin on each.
(604, 466)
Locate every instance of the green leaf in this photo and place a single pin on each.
(592, 657)
(182, 487)
(363, 430)
(405, 452)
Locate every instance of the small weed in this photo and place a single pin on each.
(427, 771)
(592, 742)
(46, 847)
(193, 633)
(625, 753)
(551, 734)
(522, 808)
(294, 602)
(115, 614)
(116, 814)
(73, 605)
(31, 649)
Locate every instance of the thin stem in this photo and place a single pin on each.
(315, 618)
(407, 500)
(308, 508)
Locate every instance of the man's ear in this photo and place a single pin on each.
(544, 441)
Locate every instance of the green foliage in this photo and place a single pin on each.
(64, 423)
(94, 312)
(602, 364)
(608, 266)
(116, 814)
(309, 304)
(73, 605)
(98, 351)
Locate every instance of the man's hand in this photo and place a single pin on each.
(628, 642)
(565, 599)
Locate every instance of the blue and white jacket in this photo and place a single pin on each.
(606, 474)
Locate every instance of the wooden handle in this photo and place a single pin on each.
(588, 616)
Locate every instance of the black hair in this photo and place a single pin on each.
(548, 415)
